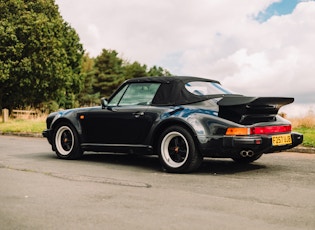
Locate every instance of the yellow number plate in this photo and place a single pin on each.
(281, 140)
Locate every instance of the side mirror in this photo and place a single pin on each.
(104, 102)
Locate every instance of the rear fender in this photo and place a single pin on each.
(153, 137)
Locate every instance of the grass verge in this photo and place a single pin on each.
(306, 126)
(23, 126)
(309, 136)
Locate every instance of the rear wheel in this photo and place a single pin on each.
(66, 142)
(177, 150)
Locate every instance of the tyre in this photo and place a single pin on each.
(66, 142)
(247, 160)
(177, 151)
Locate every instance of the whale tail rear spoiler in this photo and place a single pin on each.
(250, 110)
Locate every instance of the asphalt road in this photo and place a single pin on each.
(106, 191)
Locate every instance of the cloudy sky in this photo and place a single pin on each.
(254, 47)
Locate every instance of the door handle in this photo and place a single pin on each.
(138, 114)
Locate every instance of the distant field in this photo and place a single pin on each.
(305, 125)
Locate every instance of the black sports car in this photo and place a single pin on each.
(180, 119)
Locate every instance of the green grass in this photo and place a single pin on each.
(306, 126)
(23, 126)
(309, 136)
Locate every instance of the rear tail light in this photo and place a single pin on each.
(232, 131)
(271, 129)
(237, 131)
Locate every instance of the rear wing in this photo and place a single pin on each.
(249, 110)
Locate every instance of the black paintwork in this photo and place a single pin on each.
(136, 129)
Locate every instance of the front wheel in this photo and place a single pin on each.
(177, 151)
(66, 142)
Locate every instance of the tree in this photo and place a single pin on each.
(135, 70)
(109, 72)
(40, 55)
(158, 71)
(87, 95)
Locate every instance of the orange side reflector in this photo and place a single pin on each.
(237, 131)
(81, 117)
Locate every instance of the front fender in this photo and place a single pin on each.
(68, 116)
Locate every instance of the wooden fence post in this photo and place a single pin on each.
(5, 115)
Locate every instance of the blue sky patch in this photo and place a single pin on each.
(278, 8)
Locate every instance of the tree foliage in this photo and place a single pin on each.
(111, 71)
(88, 96)
(42, 62)
(40, 55)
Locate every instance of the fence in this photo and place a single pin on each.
(17, 113)
(23, 114)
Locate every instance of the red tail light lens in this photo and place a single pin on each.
(271, 129)
(232, 131)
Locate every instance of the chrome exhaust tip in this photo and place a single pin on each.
(247, 153)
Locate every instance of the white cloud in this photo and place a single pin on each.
(218, 39)
(151, 30)
(282, 61)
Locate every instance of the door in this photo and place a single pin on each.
(125, 120)
(123, 125)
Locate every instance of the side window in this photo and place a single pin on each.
(115, 100)
(138, 94)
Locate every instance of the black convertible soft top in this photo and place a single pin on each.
(173, 91)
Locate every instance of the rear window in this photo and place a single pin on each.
(206, 88)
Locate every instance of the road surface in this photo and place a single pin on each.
(106, 191)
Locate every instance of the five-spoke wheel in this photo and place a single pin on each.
(66, 142)
(177, 151)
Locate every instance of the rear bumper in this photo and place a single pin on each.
(228, 146)
(297, 139)
(263, 140)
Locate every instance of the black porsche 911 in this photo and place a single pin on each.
(180, 119)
